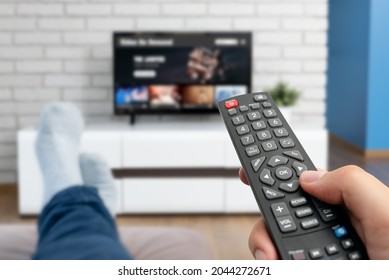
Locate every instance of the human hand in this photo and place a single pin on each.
(363, 195)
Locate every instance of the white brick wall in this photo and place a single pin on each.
(95, 9)
(5, 94)
(38, 66)
(43, 9)
(61, 50)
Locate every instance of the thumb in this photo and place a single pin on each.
(360, 192)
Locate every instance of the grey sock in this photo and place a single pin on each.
(96, 173)
(57, 144)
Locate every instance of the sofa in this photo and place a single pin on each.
(17, 242)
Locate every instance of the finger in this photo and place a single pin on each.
(359, 191)
(243, 177)
(260, 243)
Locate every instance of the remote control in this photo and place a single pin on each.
(301, 226)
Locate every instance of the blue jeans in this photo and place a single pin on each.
(75, 225)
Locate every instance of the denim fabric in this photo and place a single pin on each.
(75, 225)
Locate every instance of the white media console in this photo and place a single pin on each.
(164, 166)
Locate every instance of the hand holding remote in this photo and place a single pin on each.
(365, 198)
(300, 226)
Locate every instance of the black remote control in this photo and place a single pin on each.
(301, 226)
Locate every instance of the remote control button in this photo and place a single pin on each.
(327, 214)
(272, 194)
(332, 249)
(299, 167)
(275, 122)
(232, 112)
(238, 120)
(326, 211)
(257, 163)
(354, 256)
(243, 108)
(270, 113)
(258, 125)
(284, 173)
(277, 160)
(303, 212)
(247, 140)
(287, 143)
(253, 116)
(315, 254)
(266, 177)
(340, 232)
(242, 129)
(281, 132)
(279, 209)
(309, 223)
(347, 244)
(260, 97)
(294, 154)
(297, 255)
(286, 224)
(289, 187)
(295, 202)
(269, 146)
(264, 135)
(252, 151)
(266, 105)
(254, 106)
(231, 104)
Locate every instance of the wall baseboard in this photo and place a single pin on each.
(370, 154)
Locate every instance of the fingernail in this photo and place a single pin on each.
(260, 255)
(311, 176)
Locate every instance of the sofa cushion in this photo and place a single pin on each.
(17, 242)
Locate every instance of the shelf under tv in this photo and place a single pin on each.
(169, 164)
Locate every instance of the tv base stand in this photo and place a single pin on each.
(132, 119)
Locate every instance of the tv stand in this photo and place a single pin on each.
(132, 118)
(164, 165)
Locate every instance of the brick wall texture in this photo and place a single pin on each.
(61, 50)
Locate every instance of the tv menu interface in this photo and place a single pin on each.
(179, 71)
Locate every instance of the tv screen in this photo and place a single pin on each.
(179, 72)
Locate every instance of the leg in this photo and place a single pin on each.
(75, 223)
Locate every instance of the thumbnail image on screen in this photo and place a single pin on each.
(134, 95)
(224, 92)
(196, 96)
(164, 95)
(204, 65)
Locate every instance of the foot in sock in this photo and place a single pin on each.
(57, 147)
(96, 173)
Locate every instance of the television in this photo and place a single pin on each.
(160, 73)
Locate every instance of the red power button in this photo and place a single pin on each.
(231, 104)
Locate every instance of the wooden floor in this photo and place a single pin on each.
(341, 154)
(227, 234)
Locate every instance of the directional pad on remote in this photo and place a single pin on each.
(289, 186)
(299, 167)
(266, 177)
(277, 160)
(284, 173)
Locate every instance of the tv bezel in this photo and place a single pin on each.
(166, 110)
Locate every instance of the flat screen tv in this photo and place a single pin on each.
(159, 73)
